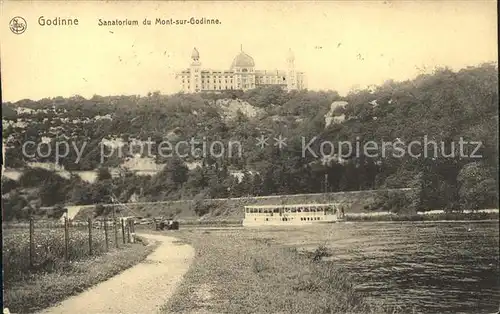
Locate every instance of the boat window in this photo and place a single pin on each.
(276, 210)
(294, 210)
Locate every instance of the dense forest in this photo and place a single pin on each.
(445, 107)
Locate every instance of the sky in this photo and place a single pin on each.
(340, 45)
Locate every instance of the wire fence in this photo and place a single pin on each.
(44, 246)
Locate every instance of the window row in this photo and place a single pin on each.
(289, 210)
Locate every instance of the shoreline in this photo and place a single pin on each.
(392, 218)
(479, 216)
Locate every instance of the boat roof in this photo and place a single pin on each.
(290, 205)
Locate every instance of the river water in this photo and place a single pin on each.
(426, 267)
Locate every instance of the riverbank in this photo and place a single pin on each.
(41, 290)
(454, 216)
(239, 273)
(365, 217)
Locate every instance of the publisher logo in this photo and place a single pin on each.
(18, 25)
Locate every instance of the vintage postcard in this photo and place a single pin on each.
(250, 157)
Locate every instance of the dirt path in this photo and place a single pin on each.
(143, 288)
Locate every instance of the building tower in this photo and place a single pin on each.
(291, 79)
(194, 72)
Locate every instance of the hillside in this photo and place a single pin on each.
(445, 107)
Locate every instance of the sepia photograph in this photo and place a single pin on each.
(281, 157)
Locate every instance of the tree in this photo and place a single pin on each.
(8, 185)
(478, 188)
(103, 174)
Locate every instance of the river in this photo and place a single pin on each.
(428, 267)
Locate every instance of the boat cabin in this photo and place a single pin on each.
(293, 214)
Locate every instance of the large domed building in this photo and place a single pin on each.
(240, 76)
(242, 60)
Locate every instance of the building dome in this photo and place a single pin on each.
(242, 60)
(195, 55)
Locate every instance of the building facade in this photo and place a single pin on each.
(242, 75)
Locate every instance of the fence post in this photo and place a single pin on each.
(32, 241)
(123, 231)
(128, 230)
(66, 238)
(106, 233)
(114, 227)
(132, 231)
(90, 235)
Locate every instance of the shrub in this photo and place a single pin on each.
(201, 207)
(8, 185)
(319, 253)
(101, 210)
(57, 212)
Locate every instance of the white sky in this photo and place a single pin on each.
(395, 40)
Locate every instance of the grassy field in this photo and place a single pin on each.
(52, 279)
(244, 273)
(49, 249)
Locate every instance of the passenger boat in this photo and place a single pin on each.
(296, 214)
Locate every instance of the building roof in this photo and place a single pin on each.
(270, 72)
(243, 60)
(290, 205)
